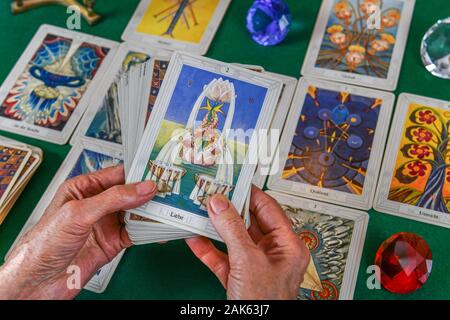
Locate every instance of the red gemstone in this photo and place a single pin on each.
(405, 261)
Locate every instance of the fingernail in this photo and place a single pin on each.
(219, 203)
(145, 188)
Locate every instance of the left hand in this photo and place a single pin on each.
(82, 227)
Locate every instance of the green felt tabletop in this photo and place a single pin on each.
(170, 271)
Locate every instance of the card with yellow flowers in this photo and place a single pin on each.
(360, 42)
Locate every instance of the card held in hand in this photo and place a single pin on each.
(199, 139)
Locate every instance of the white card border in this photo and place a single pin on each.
(47, 134)
(390, 83)
(361, 220)
(364, 201)
(154, 210)
(279, 118)
(16, 176)
(131, 35)
(108, 79)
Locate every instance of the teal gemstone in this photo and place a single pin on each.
(435, 49)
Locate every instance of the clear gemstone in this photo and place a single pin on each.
(269, 21)
(436, 49)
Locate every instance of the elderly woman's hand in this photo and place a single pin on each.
(82, 227)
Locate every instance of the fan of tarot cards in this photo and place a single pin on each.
(18, 163)
(193, 125)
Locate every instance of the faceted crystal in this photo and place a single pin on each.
(436, 49)
(405, 261)
(269, 21)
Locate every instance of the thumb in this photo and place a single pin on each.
(115, 199)
(228, 223)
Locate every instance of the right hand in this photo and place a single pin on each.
(266, 262)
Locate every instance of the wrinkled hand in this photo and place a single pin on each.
(266, 262)
(82, 227)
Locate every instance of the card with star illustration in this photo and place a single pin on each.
(202, 138)
(182, 25)
(361, 42)
(332, 144)
(48, 90)
(335, 238)
(415, 178)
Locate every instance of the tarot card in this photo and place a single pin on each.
(133, 96)
(143, 230)
(48, 90)
(360, 42)
(415, 178)
(186, 25)
(101, 123)
(13, 160)
(24, 176)
(82, 159)
(198, 144)
(332, 144)
(33, 161)
(160, 66)
(335, 238)
(276, 128)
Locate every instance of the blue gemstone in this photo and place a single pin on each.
(269, 21)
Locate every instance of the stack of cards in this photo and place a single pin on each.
(145, 230)
(197, 141)
(133, 106)
(18, 163)
(113, 123)
(117, 117)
